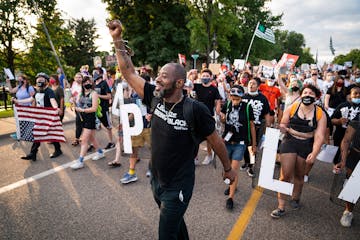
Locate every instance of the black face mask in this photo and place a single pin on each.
(307, 100)
(41, 84)
(88, 86)
(295, 89)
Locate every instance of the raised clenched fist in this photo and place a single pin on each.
(115, 29)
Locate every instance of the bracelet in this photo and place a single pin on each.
(228, 170)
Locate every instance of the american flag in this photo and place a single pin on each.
(38, 124)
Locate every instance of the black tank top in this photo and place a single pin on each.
(303, 125)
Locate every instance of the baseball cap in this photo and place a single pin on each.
(44, 75)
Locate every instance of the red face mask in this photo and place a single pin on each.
(339, 84)
(244, 81)
(52, 81)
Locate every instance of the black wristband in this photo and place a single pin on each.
(228, 170)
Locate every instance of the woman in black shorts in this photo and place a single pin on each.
(87, 106)
(304, 125)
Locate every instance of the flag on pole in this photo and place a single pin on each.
(182, 59)
(332, 47)
(265, 33)
(38, 124)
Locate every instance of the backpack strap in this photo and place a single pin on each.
(294, 107)
(154, 103)
(188, 113)
(318, 113)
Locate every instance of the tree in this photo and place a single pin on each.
(82, 49)
(12, 28)
(156, 30)
(353, 55)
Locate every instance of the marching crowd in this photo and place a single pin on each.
(311, 108)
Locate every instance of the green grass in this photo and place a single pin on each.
(6, 113)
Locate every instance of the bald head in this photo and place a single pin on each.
(178, 71)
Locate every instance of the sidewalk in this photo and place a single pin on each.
(8, 125)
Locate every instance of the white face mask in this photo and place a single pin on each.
(270, 83)
(253, 93)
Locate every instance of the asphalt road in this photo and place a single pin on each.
(91, 203)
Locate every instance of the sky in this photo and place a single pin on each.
(317, 20)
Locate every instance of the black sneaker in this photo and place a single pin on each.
(244, 166)
(227, 191)
(91, 148)
(229, 204)
(295, 204)
(250, 172)
(277, 213)
(56, 154)
(110, 145)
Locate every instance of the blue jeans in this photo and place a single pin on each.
(235, 151)
(172, 204)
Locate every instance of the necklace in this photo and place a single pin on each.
(302, 110)
(172, 107)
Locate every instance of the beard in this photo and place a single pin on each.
(165, 93)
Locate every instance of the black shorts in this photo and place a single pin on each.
(272, 113)
(88, 121)
(105, 119)
(352, 159)
(291, 144)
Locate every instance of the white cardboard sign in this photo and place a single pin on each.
(122, 110)
(351, 190)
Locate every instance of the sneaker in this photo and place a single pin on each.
(128, 178)
(196, 161)
(277, 213)
(207, 160)
(250, 172)
(295, 205)
(244, 167)
(306, 178)
(148, 173)
(229, 204)
(346, 219)
(110, 145)
(77, 165)
(98, 156)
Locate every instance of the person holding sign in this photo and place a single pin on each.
(173, 145)
(304, 125)
(350, 155)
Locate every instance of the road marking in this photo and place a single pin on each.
(43, 174)
(246, 214)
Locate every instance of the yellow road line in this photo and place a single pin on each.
(246, 214)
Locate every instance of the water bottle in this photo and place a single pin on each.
(97, 124)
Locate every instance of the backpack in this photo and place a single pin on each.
(295, 106)
(247, 116)
(188, 113)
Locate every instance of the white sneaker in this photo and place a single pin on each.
(196, 161)
(77, 165)
(148, 173)
(207, 160)
(306, 178)
(346, 219)
(98, 156)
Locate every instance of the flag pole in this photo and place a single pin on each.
(252, 40)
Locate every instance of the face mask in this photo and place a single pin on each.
(253, 93)
(293, 79)
(205, 80)
(52, 81)
(356, 100)
(88, 86)
(307, 100)
(332, 78)
(40, 84)
(339, 84)
(357, 80)
(270, 83)
(295, 89)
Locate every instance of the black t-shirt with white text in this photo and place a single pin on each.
(260, 106)
(43, 98)
(345, 110)
(172, 148)
(237, 121)
(207, 95)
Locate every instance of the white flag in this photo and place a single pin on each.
(265, 33)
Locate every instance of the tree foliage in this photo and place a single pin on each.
(353, 55)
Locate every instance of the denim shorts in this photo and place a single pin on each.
(235, 151)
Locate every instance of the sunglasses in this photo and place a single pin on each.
(236, 91)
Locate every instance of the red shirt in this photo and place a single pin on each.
(271, 94)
